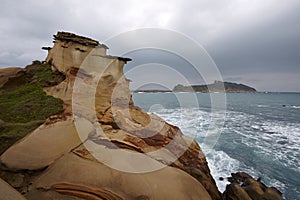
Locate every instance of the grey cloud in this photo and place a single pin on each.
(272, 45)
(233, 79)
(246, 39)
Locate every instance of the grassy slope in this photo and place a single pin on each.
(24, 105)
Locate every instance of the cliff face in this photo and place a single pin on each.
(102, 146)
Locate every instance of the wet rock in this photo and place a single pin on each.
(244, 187)
(235, 192)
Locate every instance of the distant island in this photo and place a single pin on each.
(217, 86)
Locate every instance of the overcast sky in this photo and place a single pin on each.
(253, 42)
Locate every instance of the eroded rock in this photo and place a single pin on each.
(79, 177)
(103, 146)
(9, 193)
(42, 147)
(244, 187)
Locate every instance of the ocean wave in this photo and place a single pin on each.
(195, 123)
(261, 138)
(291, 106)
(275, 138)
(297, 107)
(263, 106)
(221, 165)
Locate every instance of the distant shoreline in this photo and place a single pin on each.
(217, 86)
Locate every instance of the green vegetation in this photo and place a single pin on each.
(24, 105)
(12, 132)
(36, 73)
(27, 103)
(19, 129)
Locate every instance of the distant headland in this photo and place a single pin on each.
(217, 86)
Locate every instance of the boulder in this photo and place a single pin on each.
(244, 187)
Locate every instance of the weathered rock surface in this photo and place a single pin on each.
(244, 187)
(103, 146)
(90, 179)
(9, 193)
(42, 147)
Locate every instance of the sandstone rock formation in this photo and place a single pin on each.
(102, 146)
(8, 193)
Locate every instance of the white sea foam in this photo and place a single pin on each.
(266, 136)
(270, 139)
(262, 106)
(221, 165)
(194, 122)
(285, 139)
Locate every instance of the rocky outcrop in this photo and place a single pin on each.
(244, 187)
(87, 179)
(102, 146)
(8, 193)
(43, 146)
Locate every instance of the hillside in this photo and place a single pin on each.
(24, 105)
(217, 86)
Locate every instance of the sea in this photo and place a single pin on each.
(258, 133)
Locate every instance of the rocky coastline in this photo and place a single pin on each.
(103, 147)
